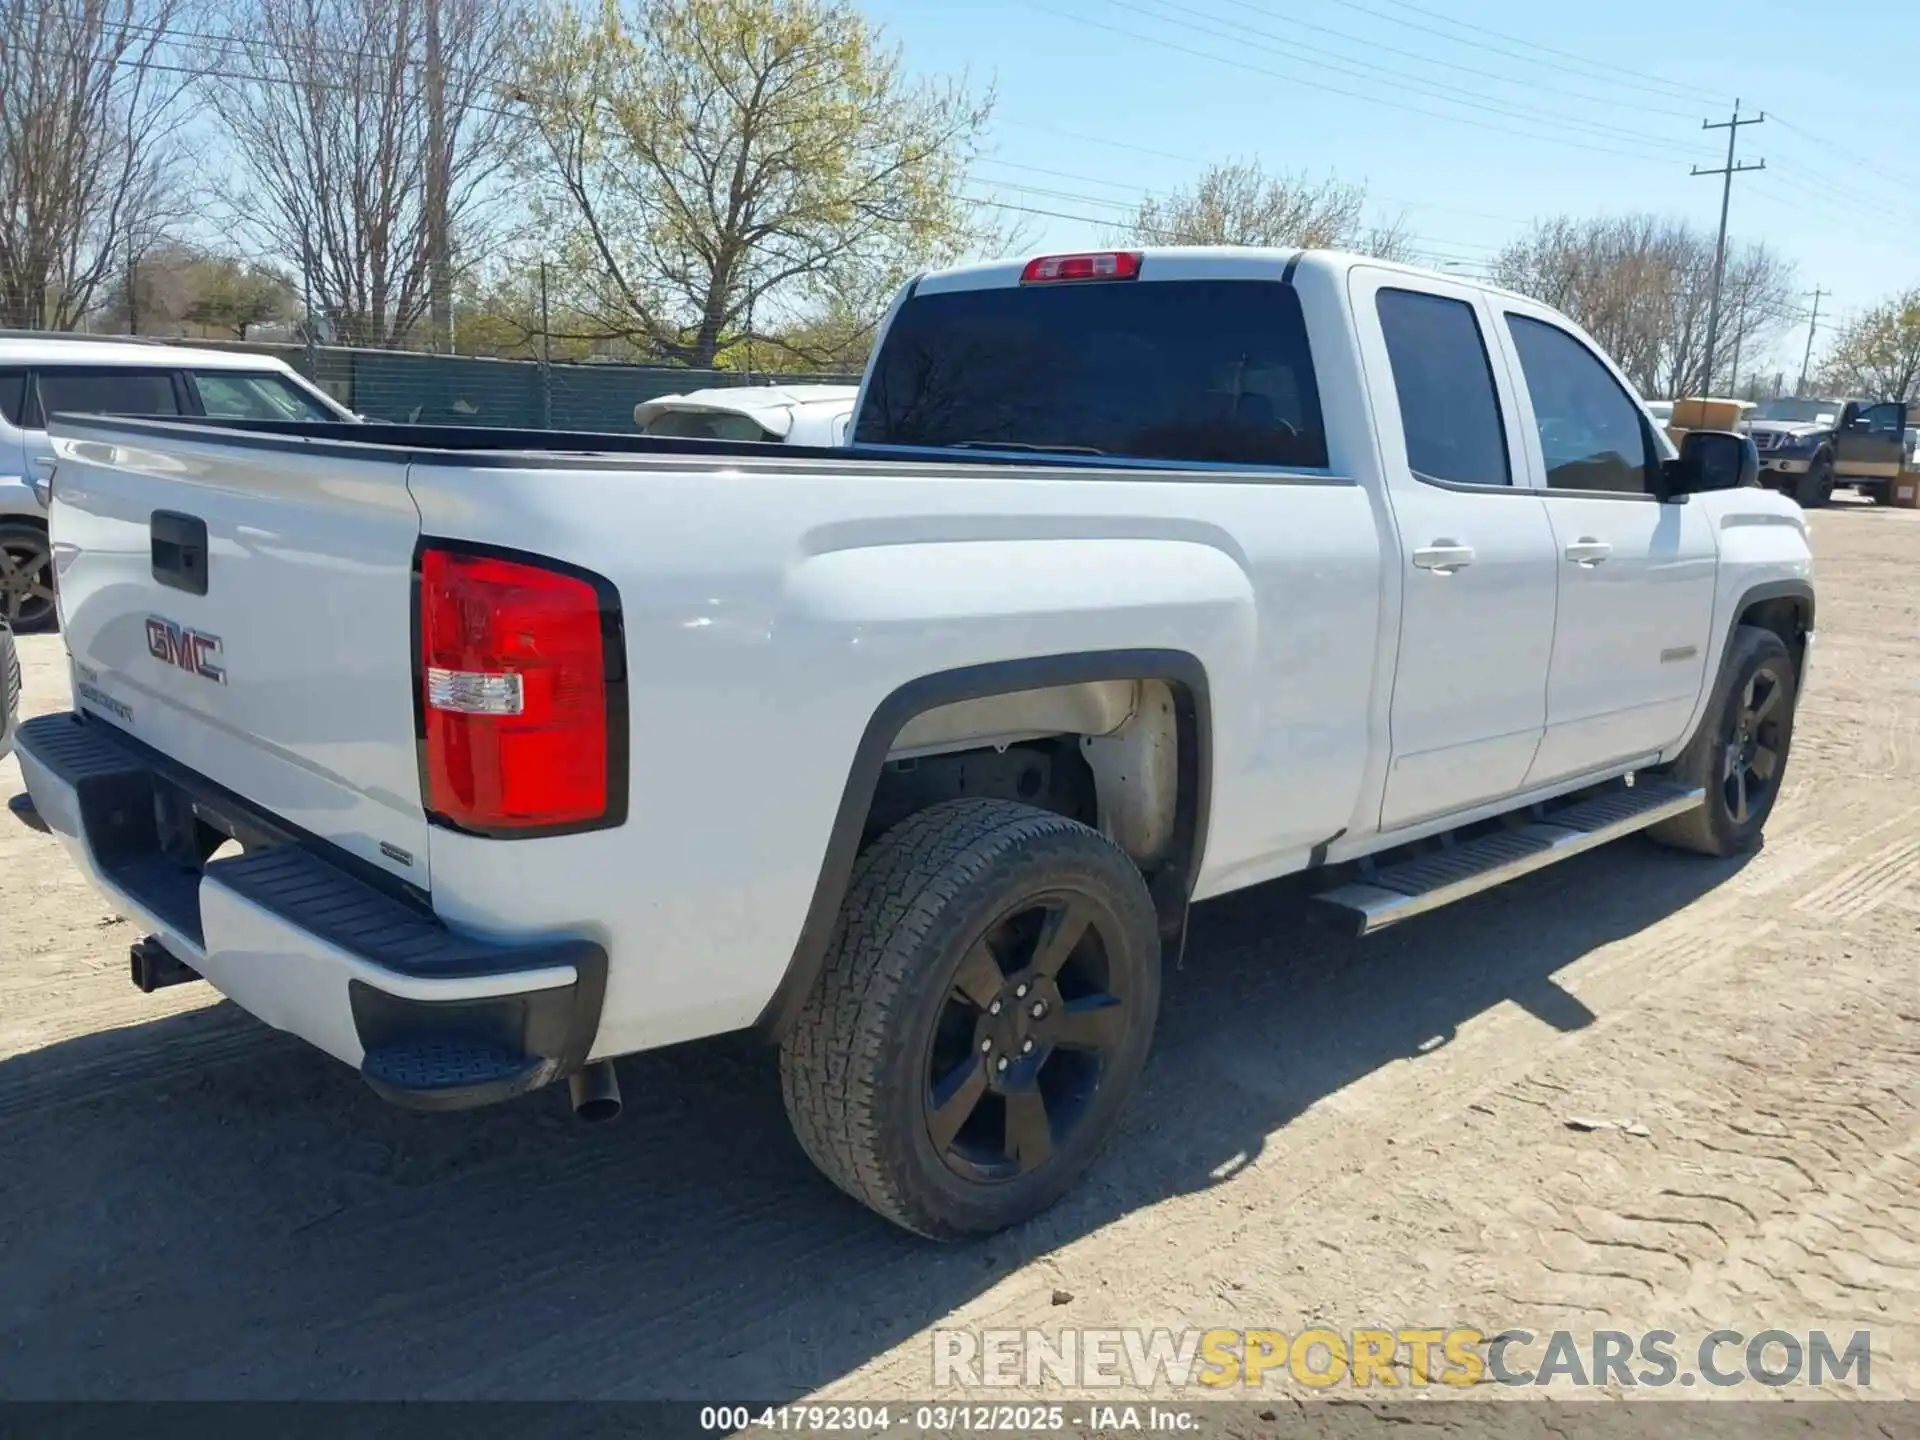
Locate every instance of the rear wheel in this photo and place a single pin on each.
(1739, 754)
(1815, 488)
(26, 576)
(983, 1014)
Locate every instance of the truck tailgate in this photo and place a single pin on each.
(243, 606)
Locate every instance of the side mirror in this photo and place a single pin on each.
(1711, 460)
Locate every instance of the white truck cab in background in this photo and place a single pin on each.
(1144, 577)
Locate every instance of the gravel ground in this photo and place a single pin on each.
(1348, 1134)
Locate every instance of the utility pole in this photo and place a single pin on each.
(1732, 127)
(1813, 325)
(439, 276)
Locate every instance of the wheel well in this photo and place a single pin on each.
(1788, 616)
(1121, 740)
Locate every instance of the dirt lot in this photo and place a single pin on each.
(194, 1206)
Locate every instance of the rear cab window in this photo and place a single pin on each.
(1188, 372)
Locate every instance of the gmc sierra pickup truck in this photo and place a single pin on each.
(479, 759)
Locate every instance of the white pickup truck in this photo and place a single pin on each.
(481, 758)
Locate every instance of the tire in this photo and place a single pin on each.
(912, 1007)
(1815, 488)
(1739, 754)
(26, 576)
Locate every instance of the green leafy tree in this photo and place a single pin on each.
(714, 168)
(1877, 356)
(233, 295)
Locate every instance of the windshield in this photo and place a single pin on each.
(1190, 371)
(1799, 412)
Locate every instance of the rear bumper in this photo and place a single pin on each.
(432, 1019)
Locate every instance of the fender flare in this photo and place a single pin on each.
(1171, 884)
(1800, 590)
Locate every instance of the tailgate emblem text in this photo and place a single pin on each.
(190, 650)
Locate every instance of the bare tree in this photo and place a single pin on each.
(710, 168)
(1641, 285)
(92, 97)
(1242, 203)
(331, 114)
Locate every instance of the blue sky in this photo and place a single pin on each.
(1449, 111)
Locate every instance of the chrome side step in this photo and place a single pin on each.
(1413, 887)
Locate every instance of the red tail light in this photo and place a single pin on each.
(1105, 265)
(520, 668)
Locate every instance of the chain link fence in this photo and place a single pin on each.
(418, 388)
(425, 389)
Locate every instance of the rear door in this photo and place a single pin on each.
(242, 604)
(1872, 441)
(1476, 551)
(1634, 600)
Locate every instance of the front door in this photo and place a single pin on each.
(1636, 577)
(1872, 441)
(1476, 552)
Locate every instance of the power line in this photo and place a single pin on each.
(1531, 81)
(1373, 73)
(1727, 172)
(1666, 89)
(1085, 21)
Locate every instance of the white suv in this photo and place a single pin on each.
(48, 375)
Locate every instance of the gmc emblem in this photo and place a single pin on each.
(189, 650)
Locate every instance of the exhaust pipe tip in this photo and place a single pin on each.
(595, 1092)
(154, 967)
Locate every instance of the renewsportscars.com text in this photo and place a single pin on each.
(1409, 1358)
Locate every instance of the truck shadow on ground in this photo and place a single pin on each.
(199, 1207)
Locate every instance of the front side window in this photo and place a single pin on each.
(1592, 435)
(242, 395)
(87, 391)
(1183, 371)
(1444, 379)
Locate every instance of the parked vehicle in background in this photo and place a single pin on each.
(784, 414)
(1807, 446)
(44, 375)
(1148, 576)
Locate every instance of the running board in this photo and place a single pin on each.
(1413, 887)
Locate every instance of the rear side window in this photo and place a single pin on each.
(242, 395)
(106, 392)
(705, 425)
(1195, 371)
(13, 395)
(1592, 435)
(1448, 404)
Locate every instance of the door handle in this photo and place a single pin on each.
(1443, 557)
(1588, 552)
